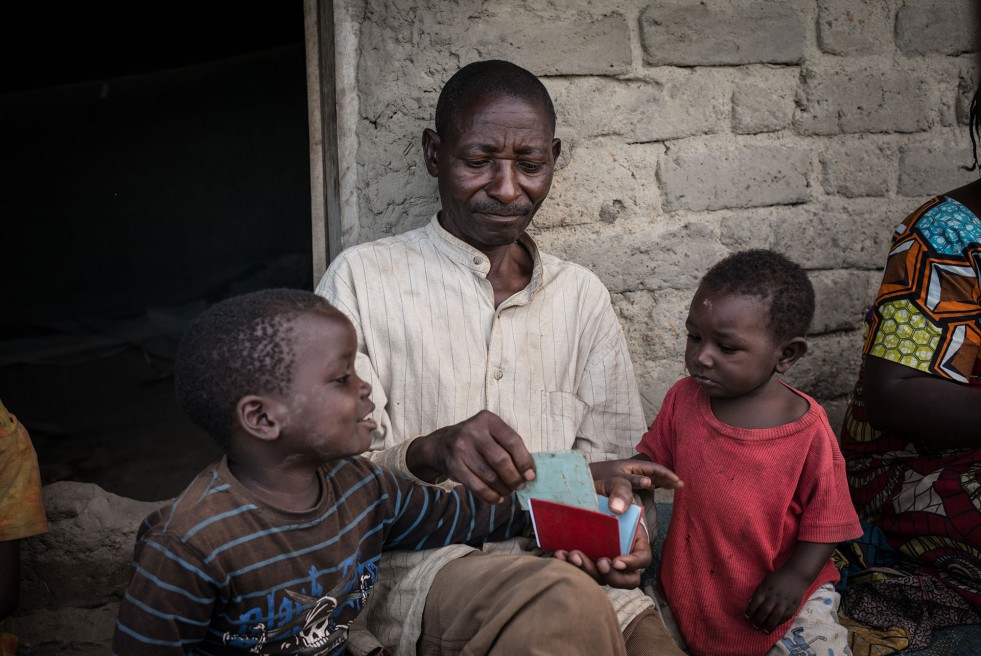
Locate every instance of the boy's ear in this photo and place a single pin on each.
(258, 416)
(790, 352)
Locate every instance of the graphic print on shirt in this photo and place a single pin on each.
(799, 645)
(308, 624)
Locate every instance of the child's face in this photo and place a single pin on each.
(328, 404)
(730, 351)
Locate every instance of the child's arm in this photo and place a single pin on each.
(778, 597)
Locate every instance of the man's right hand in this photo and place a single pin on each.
(483, 453)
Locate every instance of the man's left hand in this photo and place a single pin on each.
(619, 572)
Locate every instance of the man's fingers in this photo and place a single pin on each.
(518, 457)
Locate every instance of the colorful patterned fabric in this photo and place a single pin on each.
(927, 316)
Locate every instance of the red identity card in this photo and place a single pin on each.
(597, 534)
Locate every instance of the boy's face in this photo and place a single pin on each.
(730, 351)
(328, 403)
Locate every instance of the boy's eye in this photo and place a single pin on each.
(694, 338)
(725, 348)
(343, 379)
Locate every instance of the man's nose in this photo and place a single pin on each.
(504, 187)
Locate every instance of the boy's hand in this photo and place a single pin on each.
(642, 474)
(777, 599)
(620, 572)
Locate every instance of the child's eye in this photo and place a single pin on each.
(727, 349)
(343, 379)
(694, 338)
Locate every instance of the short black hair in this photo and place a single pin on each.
(240, 346)
(773, 278)
(489, 77)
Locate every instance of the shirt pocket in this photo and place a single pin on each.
(562, 415)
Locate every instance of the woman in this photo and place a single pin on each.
(912, 433)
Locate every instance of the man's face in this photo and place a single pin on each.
(494, 166)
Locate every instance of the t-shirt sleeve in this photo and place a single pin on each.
(827, 511)
(21, 509)
(426, 517)
(167, 606)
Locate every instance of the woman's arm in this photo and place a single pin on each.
(931, 411)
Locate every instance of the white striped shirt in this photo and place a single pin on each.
(551, 361)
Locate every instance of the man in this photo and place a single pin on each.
(480, 348)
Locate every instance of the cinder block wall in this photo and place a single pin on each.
(690, 130)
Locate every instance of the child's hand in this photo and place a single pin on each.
(620, 572)
(777, 599)
(642, 474)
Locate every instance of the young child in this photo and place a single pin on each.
(274, 548)
(765, 497)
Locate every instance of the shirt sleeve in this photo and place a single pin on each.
(337, 286)
(614, 418)
(21, 509)
(426, 517)
(167, 606)
(927, 314)
(827, 511)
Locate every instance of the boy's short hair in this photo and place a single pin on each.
(240, 346)
(773, 278)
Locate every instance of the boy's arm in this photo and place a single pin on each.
(168, 604)
(778, 597)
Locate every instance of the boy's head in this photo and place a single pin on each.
(747, 321)
(277, 365)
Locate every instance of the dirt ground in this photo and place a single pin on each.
(113, 421)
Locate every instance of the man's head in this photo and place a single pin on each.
(277, 363)
(493, 152)
(747, 321)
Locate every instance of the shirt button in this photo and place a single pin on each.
(476, 260)
(498, 374)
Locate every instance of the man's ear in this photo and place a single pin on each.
(430, 151)
(790, 352)
(556, 149)
(258, 416)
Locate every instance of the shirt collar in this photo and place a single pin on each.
(467, 256)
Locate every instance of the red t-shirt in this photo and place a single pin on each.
(749, 497)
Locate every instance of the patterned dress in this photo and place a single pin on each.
(927, 316)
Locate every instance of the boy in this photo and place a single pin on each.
(765, 497)
(274, 548)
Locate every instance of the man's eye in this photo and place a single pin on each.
(475, 163)
(530, 167)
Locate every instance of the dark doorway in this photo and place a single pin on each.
(155, 160)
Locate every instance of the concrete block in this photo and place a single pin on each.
(712, 178)
(965, 94)
(855, 27)
(764, 101)
(651, 260)
(830, 367)
(841, 297)
(834, 234)
(855, 168)
(944, 27)
(654, 322)
(604, 182)
(931, 169)
(863, 98)
(551, 43)
(680, 33)
(670, 104)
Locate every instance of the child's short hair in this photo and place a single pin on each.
(773, 278)
(240, 346)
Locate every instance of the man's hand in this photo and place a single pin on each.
(622, 571)
(483, 453)
(642, 474)
(776, 599)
